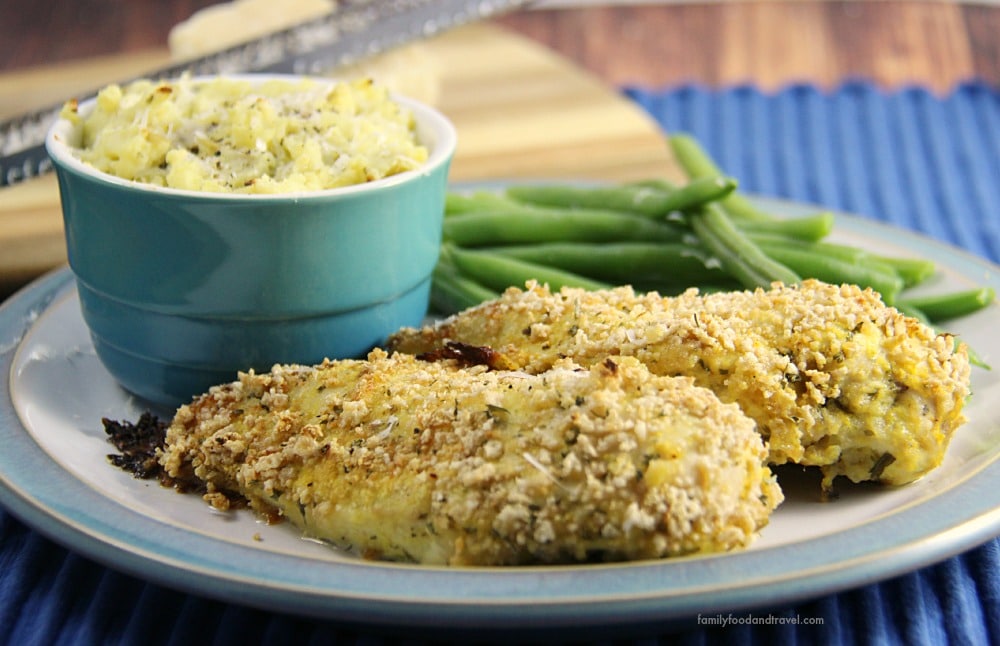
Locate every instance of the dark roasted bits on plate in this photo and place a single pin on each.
(137, 444)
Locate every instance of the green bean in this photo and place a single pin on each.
(632, 198)
(913, 271)
(452, 292)
(499, 272)
(458, 203)
(525, 224)
(697, 163)
(698, 192)
(813, 227)
(655, 182)
(842, 252)
(836, 271)
(943, 307)
(739, 255)
(654, 263)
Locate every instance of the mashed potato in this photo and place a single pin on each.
(231, 135)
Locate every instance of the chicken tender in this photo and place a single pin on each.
(404, 459)
(832, 376)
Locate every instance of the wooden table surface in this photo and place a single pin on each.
(773, 43)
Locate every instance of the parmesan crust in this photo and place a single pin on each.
(833, 377)
(399, 458)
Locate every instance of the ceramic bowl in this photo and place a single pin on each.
(181, 290)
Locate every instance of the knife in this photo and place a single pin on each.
(354, 30)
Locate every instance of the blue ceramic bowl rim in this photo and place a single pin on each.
(430, 121)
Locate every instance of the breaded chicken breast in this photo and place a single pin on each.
(399, 458)
(832, 376)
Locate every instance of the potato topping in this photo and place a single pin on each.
(232, 135)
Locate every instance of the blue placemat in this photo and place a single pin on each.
(918, 161)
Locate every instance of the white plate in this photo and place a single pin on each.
(54, 475)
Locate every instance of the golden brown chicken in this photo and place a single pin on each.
(400, 458)
(832, 376)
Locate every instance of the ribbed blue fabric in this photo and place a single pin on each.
(918, 161)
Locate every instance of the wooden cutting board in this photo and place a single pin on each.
(520, 110)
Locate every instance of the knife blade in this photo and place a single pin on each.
(353, 31)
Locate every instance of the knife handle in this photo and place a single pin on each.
(24, 164)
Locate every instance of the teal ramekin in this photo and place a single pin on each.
(181, 290)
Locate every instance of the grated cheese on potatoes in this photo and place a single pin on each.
(231, 135)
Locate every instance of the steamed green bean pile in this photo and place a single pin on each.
(656, 236)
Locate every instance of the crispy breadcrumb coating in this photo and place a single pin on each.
(833, 377)
(400, 458)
